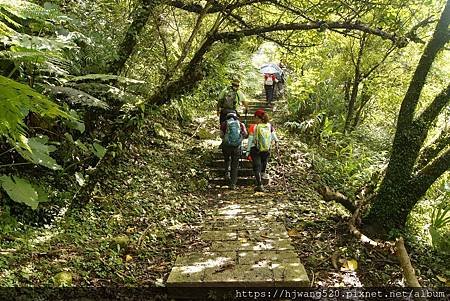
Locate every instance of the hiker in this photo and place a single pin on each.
(232, 132)
(230, 100)
(259, 145)
(269, 86)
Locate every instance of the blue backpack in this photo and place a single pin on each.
(232, 135)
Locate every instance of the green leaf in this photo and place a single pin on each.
(42, 194)
(17, 100)
(81, 145)
(98, 150)
(78, 97)
(20, 191)
(80, 179)
(106, 78)
(39, 152)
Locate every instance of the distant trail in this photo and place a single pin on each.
(247, 242)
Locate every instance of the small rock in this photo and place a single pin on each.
(63, 279)
(205, 134)
(121, 240)
(160, 131)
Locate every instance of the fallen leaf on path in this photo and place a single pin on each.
(224, 267)
(349, 265)
(293, 233)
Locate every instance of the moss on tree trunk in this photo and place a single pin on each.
(405, 182)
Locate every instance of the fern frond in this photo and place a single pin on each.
(5, 18)
(6, 31)
(24, 42)
(105, 78)
(77, 97)
(17, 100)
(26, 10)
(110, 92)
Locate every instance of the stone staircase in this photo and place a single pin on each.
(245, 173)
(245, 245)
(243, 238)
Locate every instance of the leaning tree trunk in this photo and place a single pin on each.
(140, 17)
(404, 185)
(355, 86)
(192, 74)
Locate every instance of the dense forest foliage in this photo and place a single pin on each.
(367, 100)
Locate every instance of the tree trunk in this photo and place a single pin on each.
(140, 17)
(191, 75)
(355, 86)
(365, 97)
(401, 188)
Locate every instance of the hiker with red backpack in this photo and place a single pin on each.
(261, 136)
(230, 100)
(232, 132)
(269, 86)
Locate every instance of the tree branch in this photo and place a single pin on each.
(433, 110)
(412, 96)
(431, 172)
(329, 195)
(306, 26)
(433, 149)
(405, 263)
(188, 44)
(283, 44)
(412, 35)
(367, 74)
(215, 7)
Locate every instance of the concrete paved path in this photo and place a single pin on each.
(247, 247)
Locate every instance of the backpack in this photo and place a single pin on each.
(229, 102)
(232, 135)
(268, 80)
(263, 137)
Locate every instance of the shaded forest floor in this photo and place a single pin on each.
(148, 206)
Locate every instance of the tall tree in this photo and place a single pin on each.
(412, 167)
(140, 17)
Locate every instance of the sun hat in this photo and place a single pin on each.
(259, 113)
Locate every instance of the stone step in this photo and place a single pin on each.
(219, 155)
(256, 107)
(218, 163)
(241, 181)
(260, 100)
(240, 257)
(242, 172)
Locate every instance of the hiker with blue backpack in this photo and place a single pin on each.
(261, 136)
(230, 100)
(232, 132)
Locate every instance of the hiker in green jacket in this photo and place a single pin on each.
(230, 100)
(261, 136)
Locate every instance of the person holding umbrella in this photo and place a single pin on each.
(230, 100)
(271, 74)
(269, 86)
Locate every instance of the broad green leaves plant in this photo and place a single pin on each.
(22, 191)
(440, 219)
(39, 152)
(98, 150)
(17, 101)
